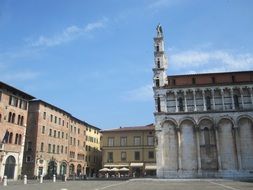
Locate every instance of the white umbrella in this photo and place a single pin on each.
(104, 170)
(114, 169)
(124, 169)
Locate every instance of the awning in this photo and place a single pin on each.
(136, 164)
(150, 167)
(115, 165)
(104, 170)
(114, 169)
(124, 169)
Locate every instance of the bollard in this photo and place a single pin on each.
(41, 178)
(65, 177)
(5, 180)
(25, 179)
(54, 178)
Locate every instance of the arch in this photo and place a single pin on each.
(63, 168)
(52, 168)
(188, 144)
(187, 119)
(170, 120)
(9, 169)
(227, 143)
(18, 120)
(205, 118)
(22, 121)
(71, 169)
(10, 117)
(79, 169)
(169, 141)
(245, 132)
(243, 116)
(0, 117)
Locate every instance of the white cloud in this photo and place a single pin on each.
(19, 76)
(143, 93)
(68, 34)
(211, 61)
(155, 4)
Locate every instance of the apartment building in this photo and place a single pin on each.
(131, 148)
(13, 116)
(93, 156)
(55, 142)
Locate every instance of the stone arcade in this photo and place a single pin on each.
(204, 122)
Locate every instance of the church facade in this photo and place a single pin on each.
(203, 122)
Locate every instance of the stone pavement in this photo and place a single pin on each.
(134, 184)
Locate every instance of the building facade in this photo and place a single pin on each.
(13, 116)
(130, 147)
(204, 122)
(55, 142)
(94, 155)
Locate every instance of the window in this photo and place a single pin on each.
(0, 117)
(123, 156)
(58, 149)
(158, 63)
(51, 118)
(66, 150)
(136, 155)
(53, 148)
(206, 136)
(110, 141)
(50, 132)
(236, 102)
(71, 141)
(150, 140)
(233, 78)
(180, 104)
(213, 80)
(42, 147)
(55, 119)
(43, 129)
(44, 115)
(123, 141)
(137, 141)
(0, 96)
(54, 133)
(78, 131)
(151, 155)
(59, 134)
(13, 101)
(157, 82)
(19, 139)
(10, 138)
(59, 121)
(110, 157)
(62, 149)
(28, 158)
(157, 48)
(62, 135)
(29, 146)
(78, 143)
(16, 139)
(208, 103)
(158, 104)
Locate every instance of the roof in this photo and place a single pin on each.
(11, 88)
(63, 111)
(218, 73)
(133, 128)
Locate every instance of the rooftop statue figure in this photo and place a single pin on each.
(159, 30)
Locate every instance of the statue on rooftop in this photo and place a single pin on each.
(159, 30)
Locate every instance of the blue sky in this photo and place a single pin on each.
(94, 58)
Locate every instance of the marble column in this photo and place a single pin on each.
(204, 100)
(218, 148)
(238, 147)
(175, 93)
(222, 98)
(242, 99)
(213, 98)
(232, 98)
(179, 156)
(198, 148)
(194, 100)
(185, 102)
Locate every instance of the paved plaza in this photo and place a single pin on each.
(139, 184)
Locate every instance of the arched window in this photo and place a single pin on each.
(18, 119)
(10, 117)
(158, 63)
(10, 138)
(180, 104)
(236, 102)
(157, 82)
(158, 105)
(13, 118)
(206, 136)
(42, 147)
(19, 139)
(22, 120)
(208, 103)
(157, 48)
(16, 138)
(0, 117)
